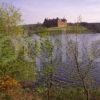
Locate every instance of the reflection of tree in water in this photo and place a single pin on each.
(95, 49)
(58, 53)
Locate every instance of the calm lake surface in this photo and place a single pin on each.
(88, 45)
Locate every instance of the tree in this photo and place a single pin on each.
(12, 62)
(10, 19)
(47, 64)
(81, 67)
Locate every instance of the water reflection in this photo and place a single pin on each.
(62, 56)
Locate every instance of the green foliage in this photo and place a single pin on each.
(47, 47)
(10, 18)
(48, 70)
(18, 68)
(10, 63)
(6, 51)
(37, 48)
(41, 89)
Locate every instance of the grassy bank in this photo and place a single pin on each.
(70, 29)
(55, 93)
(56, 30)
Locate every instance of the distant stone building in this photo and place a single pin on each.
(55, 22)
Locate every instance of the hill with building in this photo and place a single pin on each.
(57, 24)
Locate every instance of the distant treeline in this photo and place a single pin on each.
(92, 27)
(32, 28)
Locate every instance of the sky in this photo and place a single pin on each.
(34, 11)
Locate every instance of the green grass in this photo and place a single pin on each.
(70, 29)
(58, 30)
